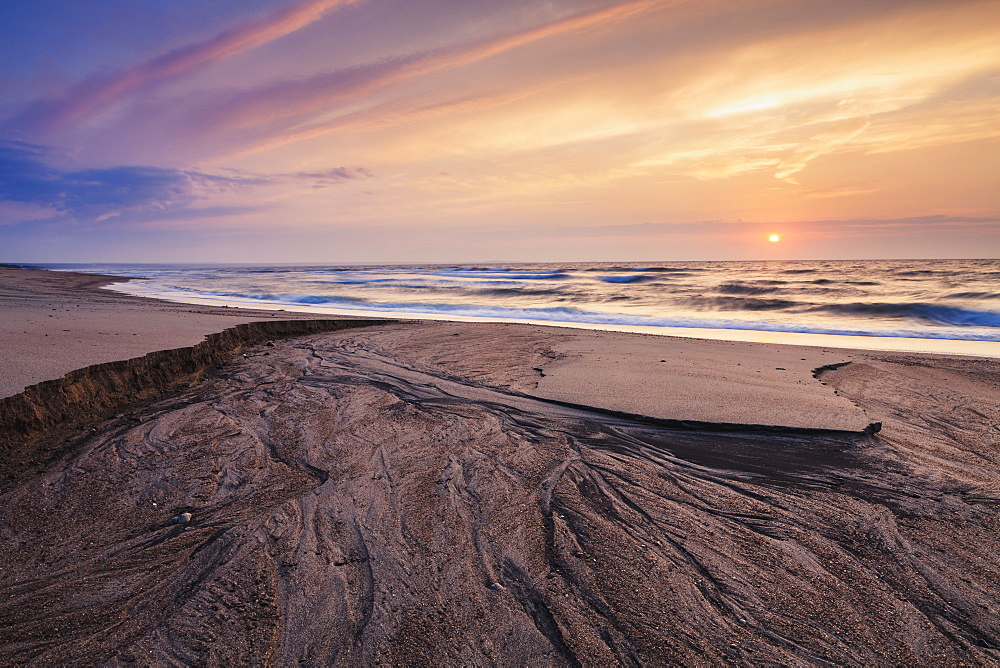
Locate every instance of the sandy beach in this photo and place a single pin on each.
(55, 322)
(489, 494)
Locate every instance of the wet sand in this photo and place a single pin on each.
(459, 494)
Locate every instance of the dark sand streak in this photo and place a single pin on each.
(351, 507)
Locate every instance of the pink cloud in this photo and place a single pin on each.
(98, 93)
(276, 111)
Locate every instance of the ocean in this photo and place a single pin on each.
(910, 302)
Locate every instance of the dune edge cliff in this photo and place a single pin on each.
(85, 395)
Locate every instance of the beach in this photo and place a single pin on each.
(55, 322)
(464, 493)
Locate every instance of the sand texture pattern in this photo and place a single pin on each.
(50, 411)
(354, 503)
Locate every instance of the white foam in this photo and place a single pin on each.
(866, 341)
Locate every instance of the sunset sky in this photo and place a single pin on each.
(473, 130)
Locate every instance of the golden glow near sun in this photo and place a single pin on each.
(773, 238)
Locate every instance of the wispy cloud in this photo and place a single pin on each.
(99, 92)
(98, 194)
(284, 111)
(823, 143)
(854, 226)
(26, 178)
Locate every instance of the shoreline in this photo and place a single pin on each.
(937, 346)
(56, 322)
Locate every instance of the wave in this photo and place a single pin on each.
(504, 275)
(274, 298)
(479, 274)
(516, 292)
(973, 295)
(314, 300)
(483, 269)
(579, 316)
(582, 316)
(931, 313)
(922, 272)
(429, 284)
(629, 279)
(798, 297)
(354, 281)
(741, 289)
(670, 270)
(743, 303)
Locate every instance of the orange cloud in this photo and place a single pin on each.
(295, 99)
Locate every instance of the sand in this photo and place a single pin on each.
(55, 322)
(657, 376)
(467, 494)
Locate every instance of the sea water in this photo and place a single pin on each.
(934, 305)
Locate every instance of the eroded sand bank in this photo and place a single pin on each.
(410, 494)
(54, 322)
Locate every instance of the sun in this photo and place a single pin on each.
(774, 238)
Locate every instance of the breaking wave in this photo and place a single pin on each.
(939, 315)
(740, 289)
(918, 299)
(638, 278)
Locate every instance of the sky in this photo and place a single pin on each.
(476, 130)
